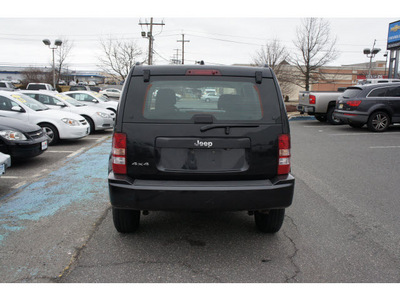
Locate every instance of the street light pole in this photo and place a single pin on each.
(57, 43)
(370, 53)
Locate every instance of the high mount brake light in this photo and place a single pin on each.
(203, 72)
(119, 153)
(284, 154)
(312, 99)
(353, 103)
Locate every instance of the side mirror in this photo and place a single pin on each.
(95, 101)
(17, 109)
(61, 104)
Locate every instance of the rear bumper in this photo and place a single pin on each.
(351, 117)
(306, 109)
(126, 193)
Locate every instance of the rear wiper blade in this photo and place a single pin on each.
(226, 126)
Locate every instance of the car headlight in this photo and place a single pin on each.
(104, 115)
(70, 122)
(13, 135)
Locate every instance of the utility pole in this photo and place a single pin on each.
(150, 37)
(176, 60)
(183, 41)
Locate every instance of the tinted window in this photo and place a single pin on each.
(36, 87)
(2, 84)
(393, 91)
(179, 99)
(351, 92)
(381, 92)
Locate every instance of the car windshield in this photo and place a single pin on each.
(30, 102)
(70, 100)
(100, 97)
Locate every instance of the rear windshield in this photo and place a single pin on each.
(180, 98)
(351, 92)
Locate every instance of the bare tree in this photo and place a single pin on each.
(315, 48)
(36, 75)
(62, 53)
(275, 55)
(118, 57)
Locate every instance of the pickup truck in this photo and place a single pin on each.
(7, 86)
(320, 104)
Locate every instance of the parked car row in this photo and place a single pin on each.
(31, 120)
(376, 105)
(91, 87)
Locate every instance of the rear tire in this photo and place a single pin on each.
(126, 221)
(331, 119)
(269, 222)
(379, 121)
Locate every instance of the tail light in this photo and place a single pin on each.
(312, 99)
(353, 103)
(119, 153)
(284, 154)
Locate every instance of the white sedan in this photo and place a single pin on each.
(98, 118)
(94, 99)
(111, 92)
(56, 124)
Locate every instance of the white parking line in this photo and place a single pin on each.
(363, 133)
(384, 147)
(76, 152)
(60, 151)
(18, 185)
(9, 177)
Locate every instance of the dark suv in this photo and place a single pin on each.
(377, 105)
(172, 151)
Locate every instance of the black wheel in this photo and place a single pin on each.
(378, 121)
(356, 125)
(269, 222)
(320, 118)
(125, 220)
(91, 124)
(51, 132)
(331, 119)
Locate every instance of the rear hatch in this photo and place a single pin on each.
(172, 134)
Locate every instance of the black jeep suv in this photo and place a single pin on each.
(172, 151)
(377, 105)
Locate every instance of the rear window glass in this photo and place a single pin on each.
(180, 98)
(36, 86)
(351, 92)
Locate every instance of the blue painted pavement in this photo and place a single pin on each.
(82, 179)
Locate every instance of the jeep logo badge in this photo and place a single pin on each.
(203, 144)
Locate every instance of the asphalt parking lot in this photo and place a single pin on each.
(342, 226)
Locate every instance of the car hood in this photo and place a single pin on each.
(10, 123)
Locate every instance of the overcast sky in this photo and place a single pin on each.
(218, 33)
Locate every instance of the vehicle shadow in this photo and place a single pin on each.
(187, 247)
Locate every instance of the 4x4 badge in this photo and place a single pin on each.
(203, 144)
(139, 164)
